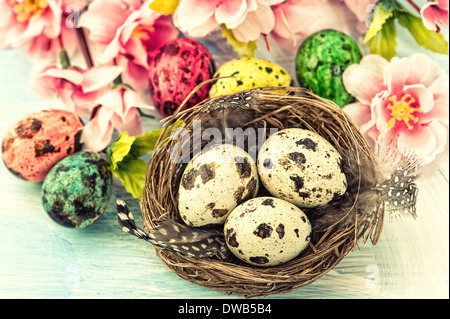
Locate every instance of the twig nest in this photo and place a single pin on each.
(246, 119)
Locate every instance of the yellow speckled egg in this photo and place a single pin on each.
(248, 72)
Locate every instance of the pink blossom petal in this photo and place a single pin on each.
(359, 8)
(187, 19)
(96, 78)
(426, 141)
(400, 73)
(135, 49)
(440, 111)
(102, 24)
(83, 103)
(423, 97)
(231, 12)
(358, 112)
(98, 132)
(112, 100)
(260, 21)
(164, 32)
(434, 12)
(365, 80)
(72, 75)
(42, 86)
(134, 74)
(131, 123)
(48, 23)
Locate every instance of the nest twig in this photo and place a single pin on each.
(336, 228)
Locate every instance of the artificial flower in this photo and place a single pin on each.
(247, 19)
(42, 24)
(24, 20)
(404, 103)
(297, 19)
(116, 109)
(128, 32)
(435, 12)
(43, 47)
(77, 89)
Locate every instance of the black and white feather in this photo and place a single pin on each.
(177, 237)
(399, 188)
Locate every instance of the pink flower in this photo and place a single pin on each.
(41, 24)
(128, 31)
(116, 109)
(404, 102)
(297, 19)
(77, 89)
(247, 19)
(434, 12)
(24, 20)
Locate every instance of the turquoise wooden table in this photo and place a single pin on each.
(40, 259)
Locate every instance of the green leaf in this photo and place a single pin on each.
(427, 38)
(131, 173)
(125, 154)
(121, 147)
(384, 43)
(164, 6)
(379, 18)
(243, 48)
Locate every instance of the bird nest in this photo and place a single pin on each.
(337, 226)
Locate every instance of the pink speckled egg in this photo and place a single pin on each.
(38, 141)
(175, 70)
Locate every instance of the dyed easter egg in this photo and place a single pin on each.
(322, 59)
(175, 70)
(77, 190)
(38, 141)
(248, 72)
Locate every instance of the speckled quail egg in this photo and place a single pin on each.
(267, 231)
(249, 72)
(77, 190)
(302, 167)
(214, 182)
(175, 69)
(33, 145)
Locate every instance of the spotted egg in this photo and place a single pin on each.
(77, 190)
(33, 145)
(267, 231)
(302, 167)
(175, 70)
(248, 72)
(214, 182)
(322, 59)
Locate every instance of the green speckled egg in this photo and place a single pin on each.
(76, 191)
(249, 72)
(322, 59)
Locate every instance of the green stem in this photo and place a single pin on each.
(64, 58)
(118, 80)
(142, 114)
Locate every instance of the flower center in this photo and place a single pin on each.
(26, 9)
(402, 111)
(142, 32)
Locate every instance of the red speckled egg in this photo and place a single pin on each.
(175, 70)
(38, 141)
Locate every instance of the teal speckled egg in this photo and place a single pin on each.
(248, 72)
(77, 190)
(322, 59)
